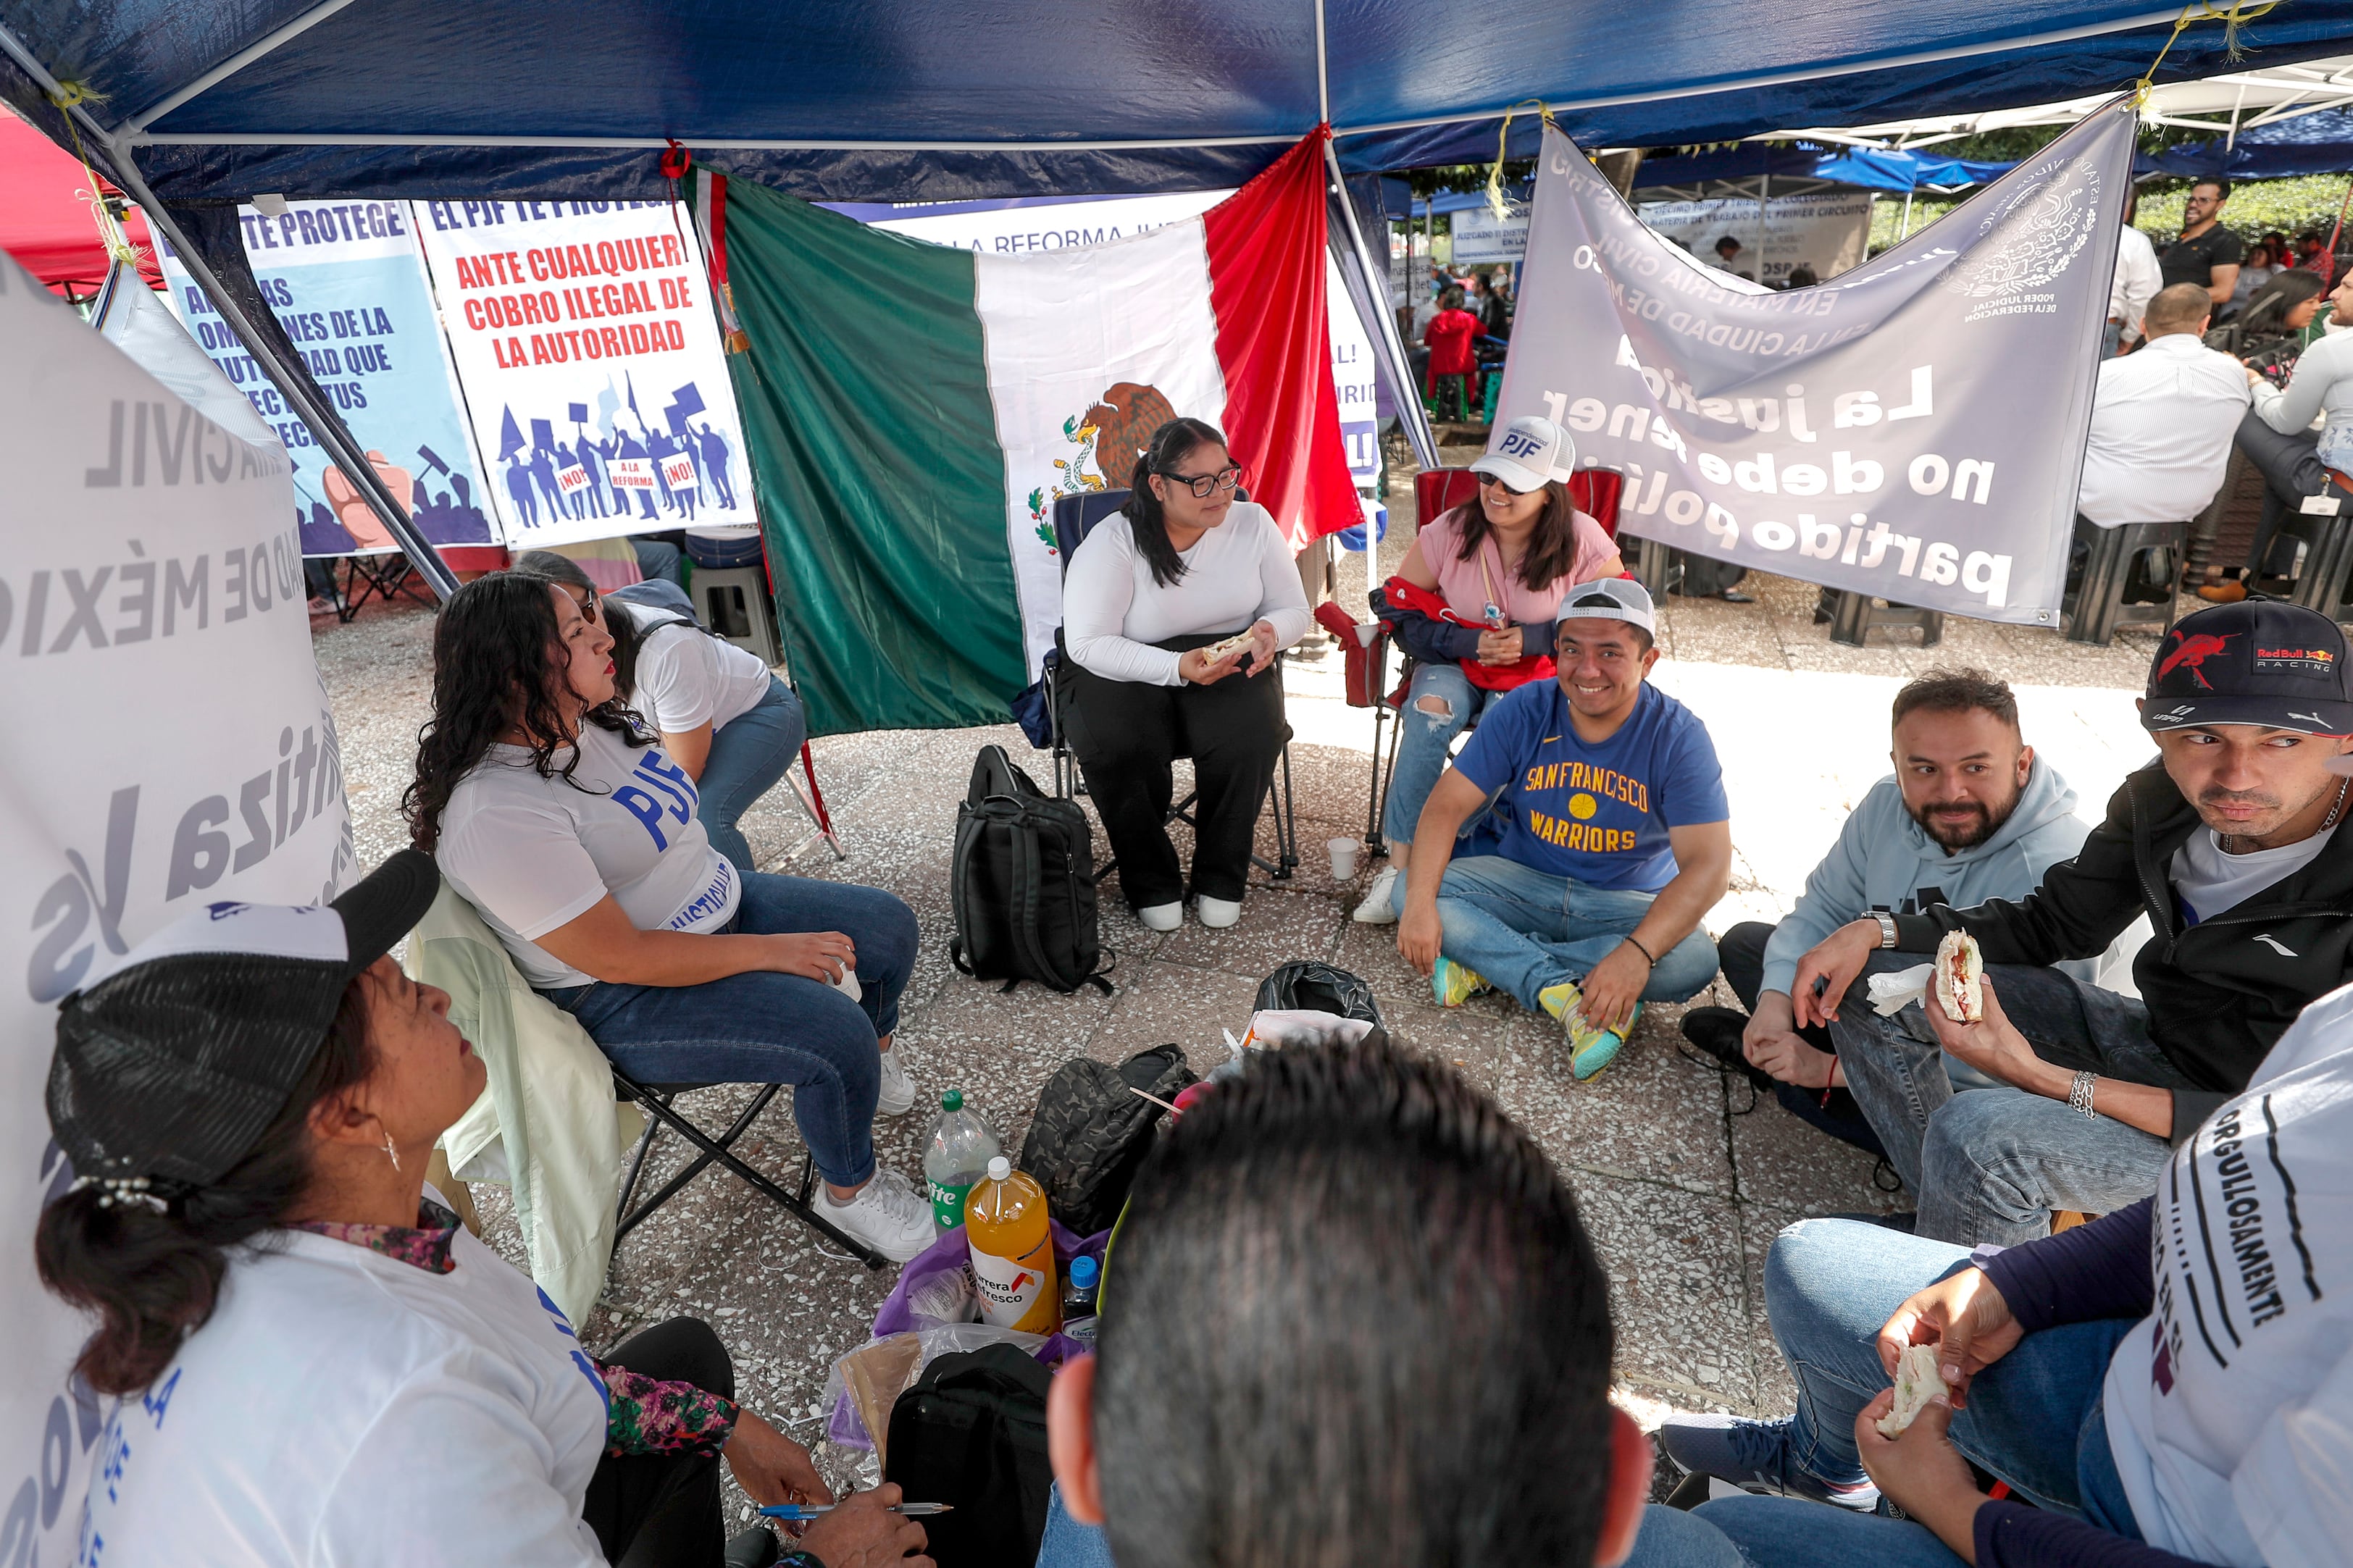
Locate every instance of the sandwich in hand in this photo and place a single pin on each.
(1917, 1381)
(1961, 978)
(1219, 652)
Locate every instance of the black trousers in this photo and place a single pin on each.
(2292, 469)
(1452, 395)
(1127, 735)
(1741, 950)
(662, 1510)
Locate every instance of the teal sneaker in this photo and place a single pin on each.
(1452, 985)
(1590, 1048)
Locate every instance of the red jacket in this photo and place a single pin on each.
(1449, 336)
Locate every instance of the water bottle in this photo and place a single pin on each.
(963, 1143)
(1079, 1299)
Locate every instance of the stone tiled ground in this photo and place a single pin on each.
(1683, 1180)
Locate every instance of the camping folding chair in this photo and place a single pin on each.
(1074, 518)
(656, 1100)
(364, 577)
(1595, 491)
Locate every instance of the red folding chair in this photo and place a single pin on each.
(1366, 645)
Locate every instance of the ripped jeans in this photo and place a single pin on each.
(1423, 740)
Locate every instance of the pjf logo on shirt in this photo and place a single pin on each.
(658, 776)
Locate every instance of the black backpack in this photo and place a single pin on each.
(972, 1432)
(1090, 1132)
(1023, 883)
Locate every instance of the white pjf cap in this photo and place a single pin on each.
(1530, 454)
(1610, 599)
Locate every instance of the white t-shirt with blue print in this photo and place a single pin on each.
(533, 854)
(346, 1408)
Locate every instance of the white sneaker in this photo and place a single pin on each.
(898, 1096)
(885, 1215)
(1161, 917)
(1217, 913)
(1377, 910)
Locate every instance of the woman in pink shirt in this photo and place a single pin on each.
(1474, 603)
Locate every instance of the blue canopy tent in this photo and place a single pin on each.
(1873, 168)
(2318, 144)
(192, 105)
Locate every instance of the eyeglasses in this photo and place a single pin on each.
(1499, 482)
(1204, 486)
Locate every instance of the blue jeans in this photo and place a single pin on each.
(1522, 929)
(766, 1027)
(1423, 739)
(748, 754)
(1990, 1165)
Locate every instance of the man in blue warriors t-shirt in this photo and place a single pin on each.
(1613, 841)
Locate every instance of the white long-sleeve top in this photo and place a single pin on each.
(1236, 575)
(2321, 387)
(2137, 281)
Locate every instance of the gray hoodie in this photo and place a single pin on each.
(1885, 861)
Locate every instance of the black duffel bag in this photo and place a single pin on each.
(1023, 883)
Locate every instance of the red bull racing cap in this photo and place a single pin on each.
(2263, 662)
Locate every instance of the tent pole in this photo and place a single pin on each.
(1323, 77)
(1907, 228)
(322, 421)
(1384, 327)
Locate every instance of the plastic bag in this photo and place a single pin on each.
(1320, 987)
(864, 1385)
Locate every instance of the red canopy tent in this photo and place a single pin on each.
(46, 226)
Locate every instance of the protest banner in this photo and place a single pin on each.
(591, 365)
(158, 641)
(1827, 231)
(1479, 236)
(346, 282)
(1015, 225)
(1912, 429)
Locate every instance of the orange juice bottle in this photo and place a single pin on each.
(1012, 1251)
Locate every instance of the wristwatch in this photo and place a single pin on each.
(1887, 927)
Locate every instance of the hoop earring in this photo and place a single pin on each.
(390, 1153)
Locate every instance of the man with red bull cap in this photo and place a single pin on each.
(2228, 844)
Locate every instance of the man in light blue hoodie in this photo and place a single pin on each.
(1969, 815)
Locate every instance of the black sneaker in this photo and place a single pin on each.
(1717, 1031)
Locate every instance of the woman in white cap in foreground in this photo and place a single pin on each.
(1474, 604)
(317, 1363)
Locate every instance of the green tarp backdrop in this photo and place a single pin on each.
(881, 487)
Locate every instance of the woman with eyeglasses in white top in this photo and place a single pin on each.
(1185, 566)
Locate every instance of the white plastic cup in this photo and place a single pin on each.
(1344, 853)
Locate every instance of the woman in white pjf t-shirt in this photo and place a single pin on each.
(1185, 566)
(722, 715)
(316, 1365)
(575, 836)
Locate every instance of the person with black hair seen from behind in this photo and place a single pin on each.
(1969, 813)
(1500, 563)
(1357, 1240)
(2228, 843)
(1602, 839)
(2206, 254)
(1452, 361)
(724, 717)
(550, 809)
(1800, 277)
(313, 1362)
(1185, 564)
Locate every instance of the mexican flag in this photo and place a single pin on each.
(914, 410)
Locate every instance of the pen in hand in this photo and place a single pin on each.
(818, 1511)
